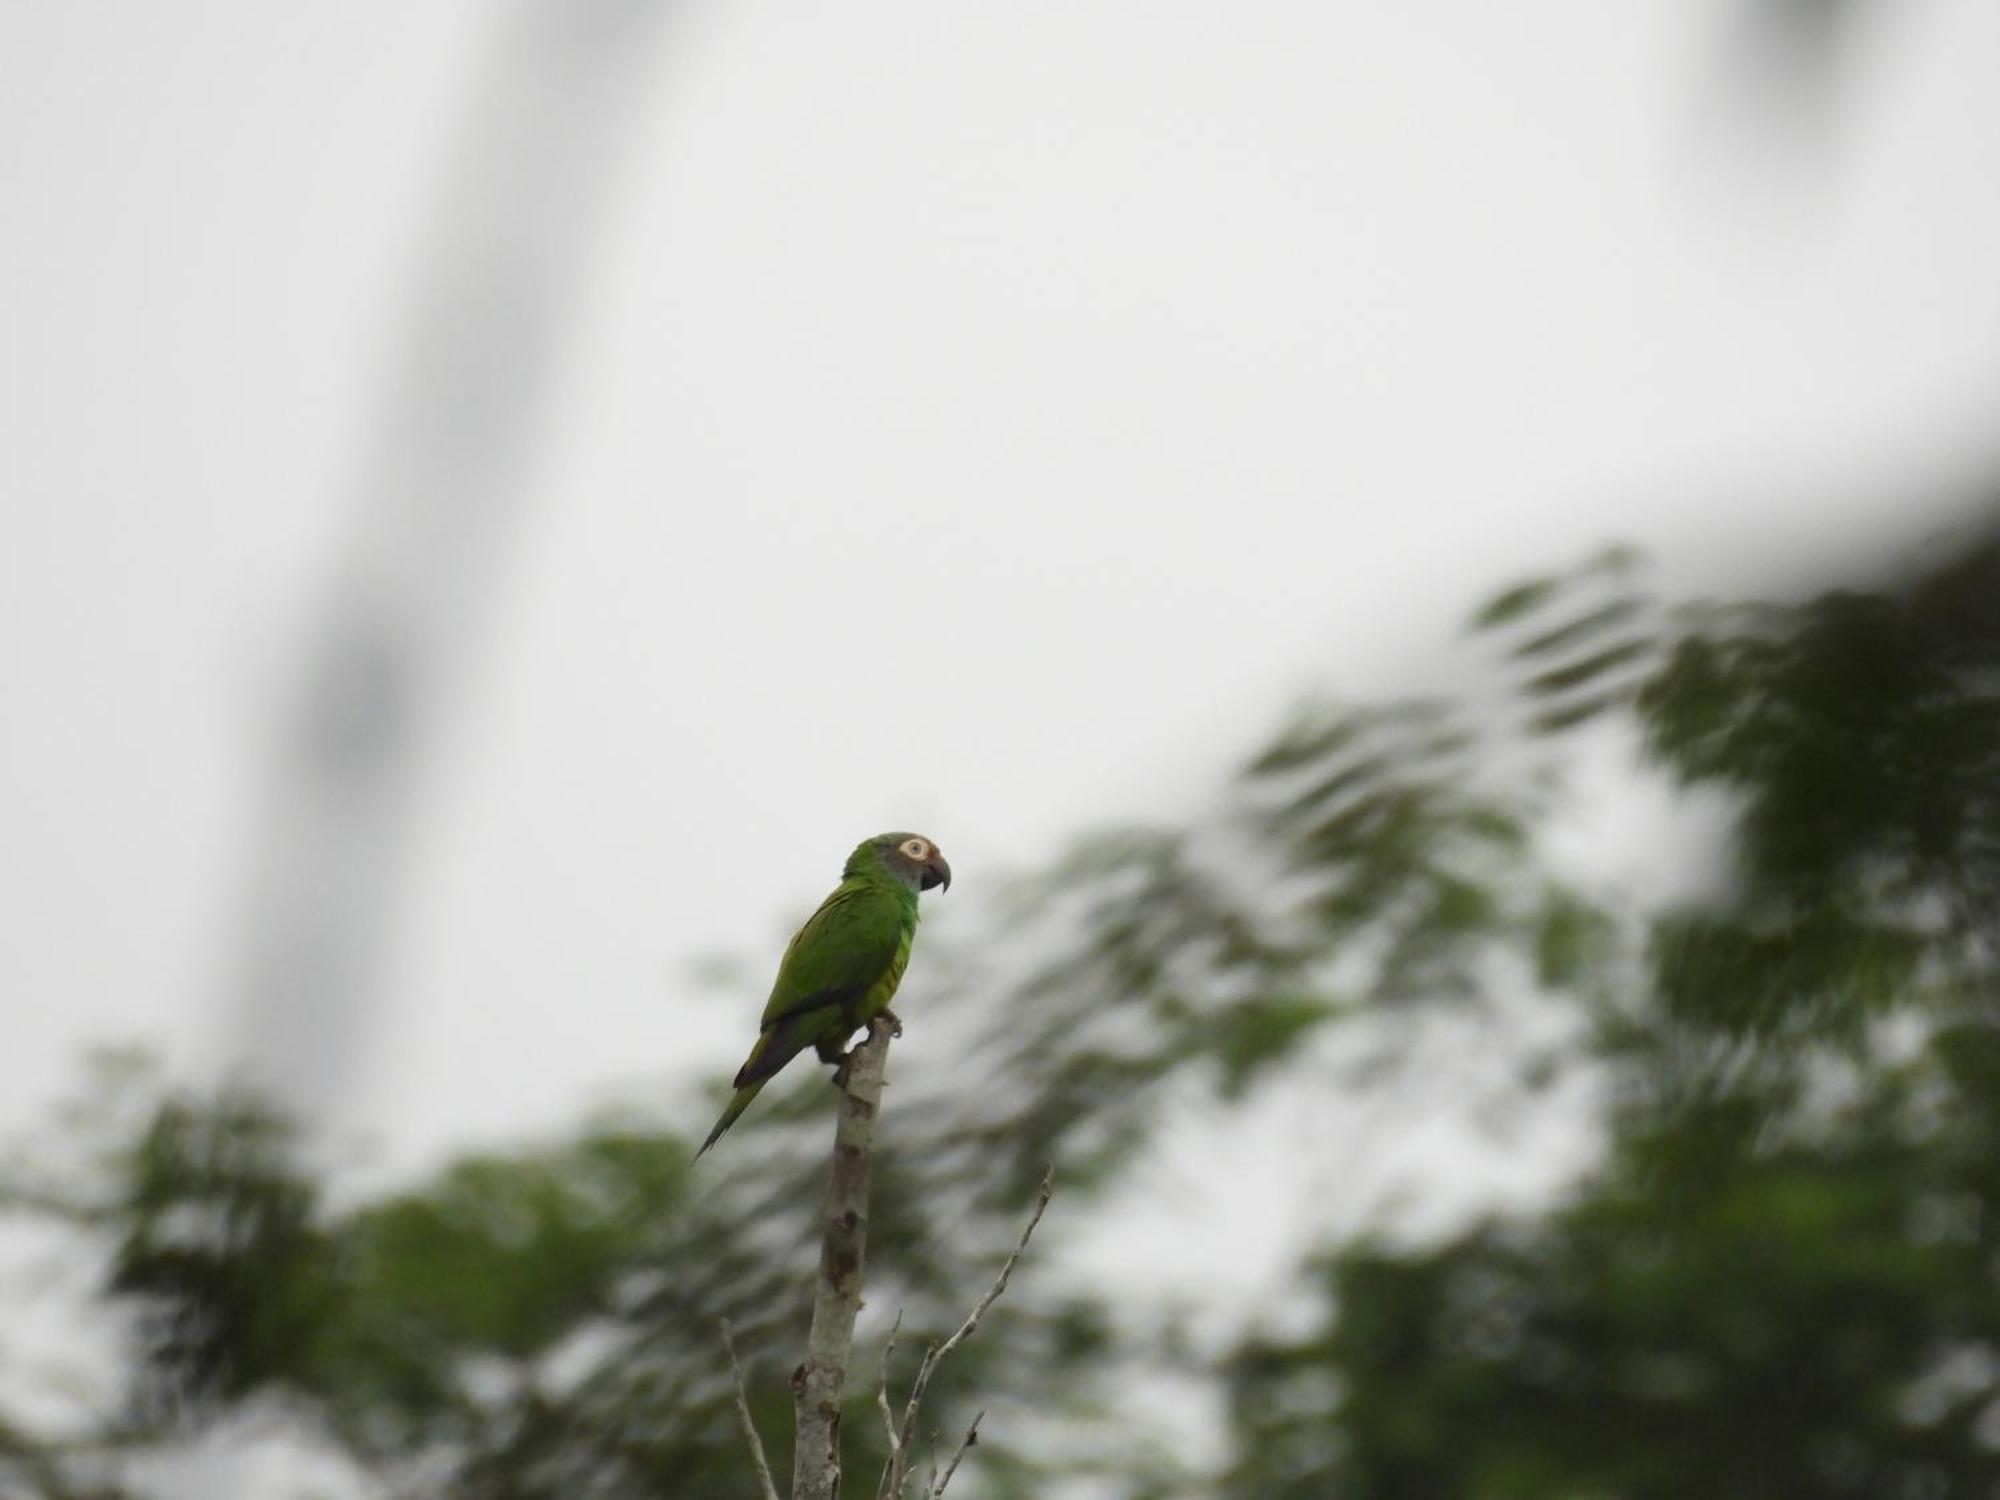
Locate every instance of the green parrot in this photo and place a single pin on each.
(842, 968)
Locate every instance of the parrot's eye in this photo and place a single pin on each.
(916, 848)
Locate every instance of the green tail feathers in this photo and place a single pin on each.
(753, 1075)
(730, 1115)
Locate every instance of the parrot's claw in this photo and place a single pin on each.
(895, 1022)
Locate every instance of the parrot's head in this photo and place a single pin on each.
(910, 857)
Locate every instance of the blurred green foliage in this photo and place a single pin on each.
(1777, 1279)
(1781, 1280)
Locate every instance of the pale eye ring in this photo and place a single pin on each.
(916, 848)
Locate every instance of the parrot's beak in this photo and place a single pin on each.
(937, 873)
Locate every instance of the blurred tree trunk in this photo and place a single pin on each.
(441, 483)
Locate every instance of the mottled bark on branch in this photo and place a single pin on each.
(818, 1382)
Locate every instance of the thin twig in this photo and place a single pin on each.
(756, 1443)
(971, 1323)
(895, 1471)
(971, 1437)
(882, 1388)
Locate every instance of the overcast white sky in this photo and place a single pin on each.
(980, 419)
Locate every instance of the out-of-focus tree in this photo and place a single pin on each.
(1778, 1280)
(1781, 1281)
(438, 494)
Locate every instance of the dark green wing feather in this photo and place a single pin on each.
(842, 951)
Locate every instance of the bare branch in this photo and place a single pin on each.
(763, 1465)
(971, 1437)
(882, 1403)
(971, 1324)
(895, 1471)
(817, 1383)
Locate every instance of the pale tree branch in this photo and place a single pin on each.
(882, 1386)
(971, 1437)
(895, 1473)
(756, 1443)
(817, 1383)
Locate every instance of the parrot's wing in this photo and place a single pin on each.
(843, 949)
(859, 935)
